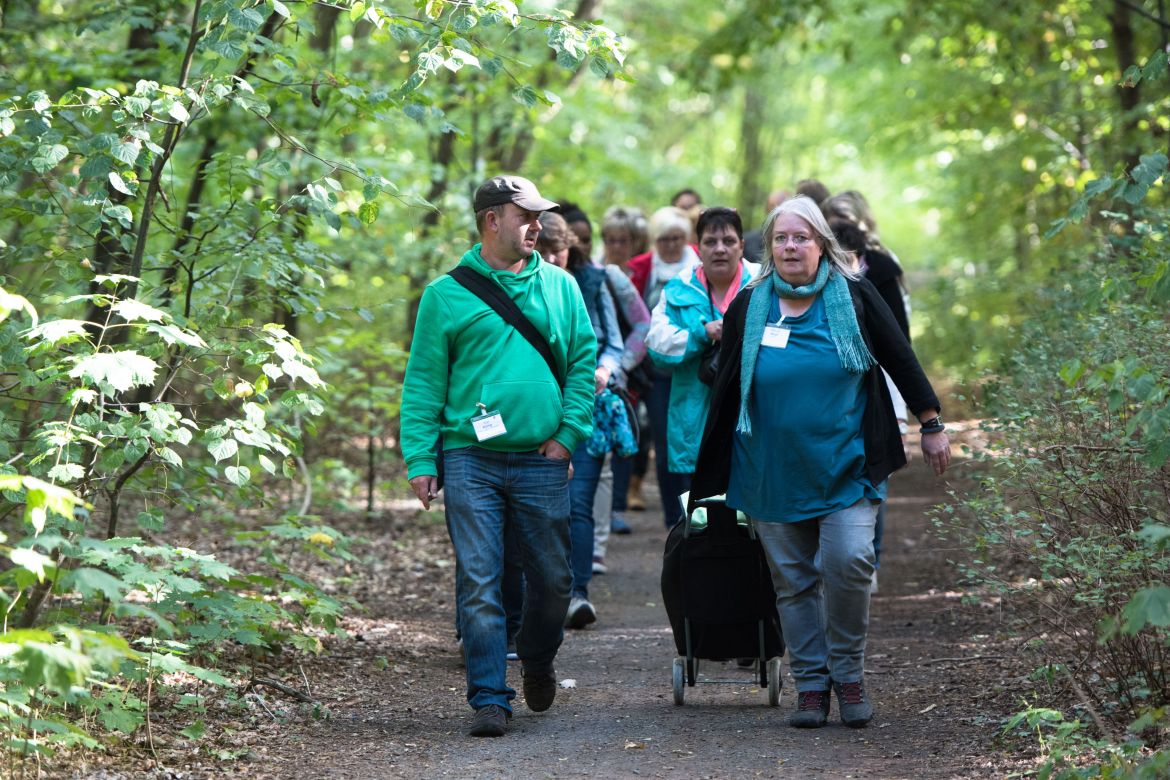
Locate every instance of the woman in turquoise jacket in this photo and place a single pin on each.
(687, 320)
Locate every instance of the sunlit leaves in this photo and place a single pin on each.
(10, 303)
(132, 310)
(115, 372)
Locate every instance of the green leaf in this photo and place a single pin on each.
(48, 156)
(118, 712)
(127, 152)
(57, 330)
(132, 310)
(194, 731)
(66, 472)
(238, 475)
(122, 214)
(368, 213)
(178, 112)
(119, 184)
(282, 9)
(176, 335)
(31, 560)
(54, 666)
(221, 449)
(1097, 186)
(89, 582)
(1148, 607)
(246, 19)
(526, 96)
(116, 372)
(170, 456)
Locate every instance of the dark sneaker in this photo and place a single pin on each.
(512, 655)
(489, 721)
(856, 711)
(812, 710)
(619, 526)
(581, 613)
(540, 688)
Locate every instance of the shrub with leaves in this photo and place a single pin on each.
(1072, 521)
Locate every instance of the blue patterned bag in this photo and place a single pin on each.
(615, 425)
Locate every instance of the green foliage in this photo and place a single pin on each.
(1071, 523)
(186, 192)
(1070, 752)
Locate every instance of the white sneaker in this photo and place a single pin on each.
(599, 566)
(581, 613)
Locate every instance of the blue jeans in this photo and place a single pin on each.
(582, 488)
(670, 484)
(879, 530)
(823, 599)
(488, 493)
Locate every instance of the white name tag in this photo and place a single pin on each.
(488, 426)
(775, 336)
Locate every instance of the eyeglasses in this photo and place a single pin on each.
(799, 240)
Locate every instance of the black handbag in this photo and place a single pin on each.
(709, 360)
(709, 364)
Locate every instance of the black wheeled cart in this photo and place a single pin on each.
(719, 597)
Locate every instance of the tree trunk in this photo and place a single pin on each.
(1127, 97)
(753, 190)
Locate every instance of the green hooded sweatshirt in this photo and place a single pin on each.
(464, 354)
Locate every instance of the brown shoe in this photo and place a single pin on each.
(634, 500)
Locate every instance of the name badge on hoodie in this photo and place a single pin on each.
(488, 425)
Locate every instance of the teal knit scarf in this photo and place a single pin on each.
(855, 356)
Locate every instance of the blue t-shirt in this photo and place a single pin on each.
(806, 455)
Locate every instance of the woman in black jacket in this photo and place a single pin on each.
(801, 436)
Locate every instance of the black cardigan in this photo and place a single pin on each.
(883, 441)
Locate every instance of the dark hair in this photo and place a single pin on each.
(572, 212)
(686, 191)
(718, 217)
(813, 189)
(849, 235)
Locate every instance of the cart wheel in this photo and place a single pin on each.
(774, 682)
(679, 679)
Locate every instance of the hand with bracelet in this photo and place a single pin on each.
(936, 446)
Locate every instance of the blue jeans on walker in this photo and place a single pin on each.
(486, 494)
(821, 569)
(582, 488)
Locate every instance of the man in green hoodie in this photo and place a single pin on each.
(508, 426)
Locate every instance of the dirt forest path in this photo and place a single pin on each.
(397, 709)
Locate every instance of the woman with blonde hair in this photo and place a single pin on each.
(669, 230)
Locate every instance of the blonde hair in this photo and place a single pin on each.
(666, 219)
(805, 208)
(629, 219)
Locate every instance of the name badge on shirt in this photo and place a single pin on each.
(775, 336)
(488, 425)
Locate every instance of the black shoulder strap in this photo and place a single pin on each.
(501, 304)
